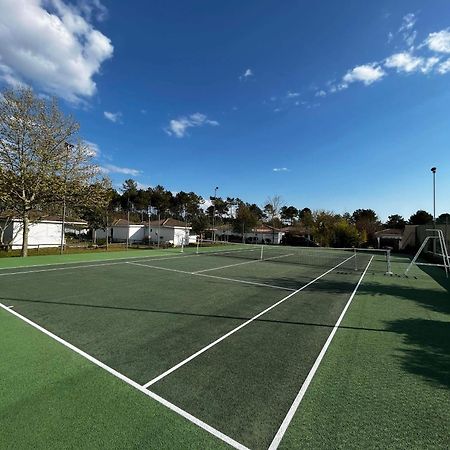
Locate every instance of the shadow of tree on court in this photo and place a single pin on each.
(242, 318)
(435, 300)
(429, 355)
(438, 275)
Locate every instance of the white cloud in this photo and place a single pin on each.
(94, 149)
(93, 9)
(292, 94)
(52, 45)
(320, 93)
(142, 185)
(280, 169)
(113, 117)
(179, 127)
(407, 29)
(110, 168)
(247, 74)
(439, 42)
(429, 63)
(367, 74)
(444, 67)
(404, 62)
(409, 20)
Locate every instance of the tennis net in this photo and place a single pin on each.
(353, 259)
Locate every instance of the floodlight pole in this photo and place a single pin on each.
(149, 210)
(214, 213)
(67, 146)
(128, 225)
(433, 170)
(159, 225)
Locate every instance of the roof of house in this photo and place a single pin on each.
(395, 232)
(169, 223)
(40, 216)
(124, 223)
(164, 223)
(266, 229)
(296, 229)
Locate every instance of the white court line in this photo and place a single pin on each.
(240, 264)
(234, 330)
(287, 420)
(132, 383)
(228, 265)
(154, 258)
(245, 282)
(88, 265)
(212, 276)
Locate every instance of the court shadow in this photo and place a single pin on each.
(429, 355)
(191, 314)
(437, 301)
(438, 275)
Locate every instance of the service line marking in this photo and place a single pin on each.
(234, 330)
(242, 263)
(253, 283)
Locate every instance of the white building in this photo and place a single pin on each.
(166, 231)
(120, 230)
(263, 234)
(44, 232)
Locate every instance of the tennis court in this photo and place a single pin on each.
(229, 338)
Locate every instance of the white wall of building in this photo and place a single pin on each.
(256, 237)
(41, 234)
(172, 235)
(137, 233)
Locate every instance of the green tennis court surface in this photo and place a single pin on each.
(219, 349)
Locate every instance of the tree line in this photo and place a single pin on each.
(45, 166)
(325, 227)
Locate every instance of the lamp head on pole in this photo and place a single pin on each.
(433, 169)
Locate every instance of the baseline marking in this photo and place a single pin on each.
(234, 330)
(89, 265)
(292, 410)
(132, 383)
(120, 261)
(273, 286)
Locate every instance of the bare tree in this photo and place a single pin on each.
(272, 207)
(38, 166)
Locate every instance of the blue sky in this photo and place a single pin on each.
(333, 105)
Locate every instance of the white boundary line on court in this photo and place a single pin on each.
(120, 260)
(292, 410)
(240, 264)
(132, 383)
(88, 265)
(234, 330)
(212, 276)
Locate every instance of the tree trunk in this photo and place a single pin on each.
(25, 225)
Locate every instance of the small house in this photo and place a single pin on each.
(165, 231)
(44, 231)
